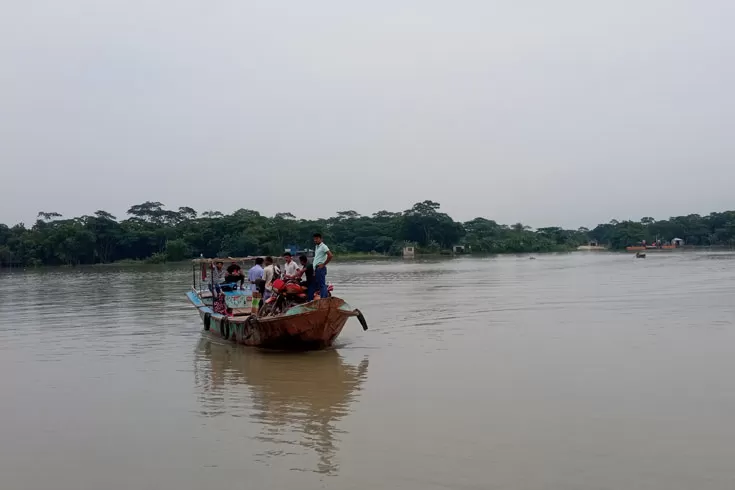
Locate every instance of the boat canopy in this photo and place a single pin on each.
(202, 260)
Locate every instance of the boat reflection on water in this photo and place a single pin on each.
(297, 398)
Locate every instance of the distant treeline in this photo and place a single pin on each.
(156, 234)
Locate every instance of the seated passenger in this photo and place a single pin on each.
(234, 276)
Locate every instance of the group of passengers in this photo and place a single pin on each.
(313, 277)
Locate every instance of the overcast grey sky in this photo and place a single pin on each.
(566, 112)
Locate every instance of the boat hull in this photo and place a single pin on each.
(311, 326)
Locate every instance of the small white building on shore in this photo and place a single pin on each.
(592, 246)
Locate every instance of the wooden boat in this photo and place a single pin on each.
(308, 326)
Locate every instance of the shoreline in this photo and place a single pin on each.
(359, 257)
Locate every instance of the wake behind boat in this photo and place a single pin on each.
(287, 321)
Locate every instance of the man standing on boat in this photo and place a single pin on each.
(218, 273)
(255, 274)
(322, 256)
(255, 278)
(217, 277)
(270, 273)
(306, 269)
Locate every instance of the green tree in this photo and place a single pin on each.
(177, 250)
(424, 224)
(155, 233)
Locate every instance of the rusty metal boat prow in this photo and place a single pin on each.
(309, 326)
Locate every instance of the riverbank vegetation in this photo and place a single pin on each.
(152, 233)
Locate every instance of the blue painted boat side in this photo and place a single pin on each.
(195, 300)
(199, 305)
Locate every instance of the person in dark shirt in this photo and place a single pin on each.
(234, 276)
(307, 270)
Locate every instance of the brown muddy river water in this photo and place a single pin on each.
(569, 372)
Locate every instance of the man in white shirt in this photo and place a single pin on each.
(270, 273)
(290, 268)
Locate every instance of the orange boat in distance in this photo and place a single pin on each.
(640, 248)
(675, 244)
